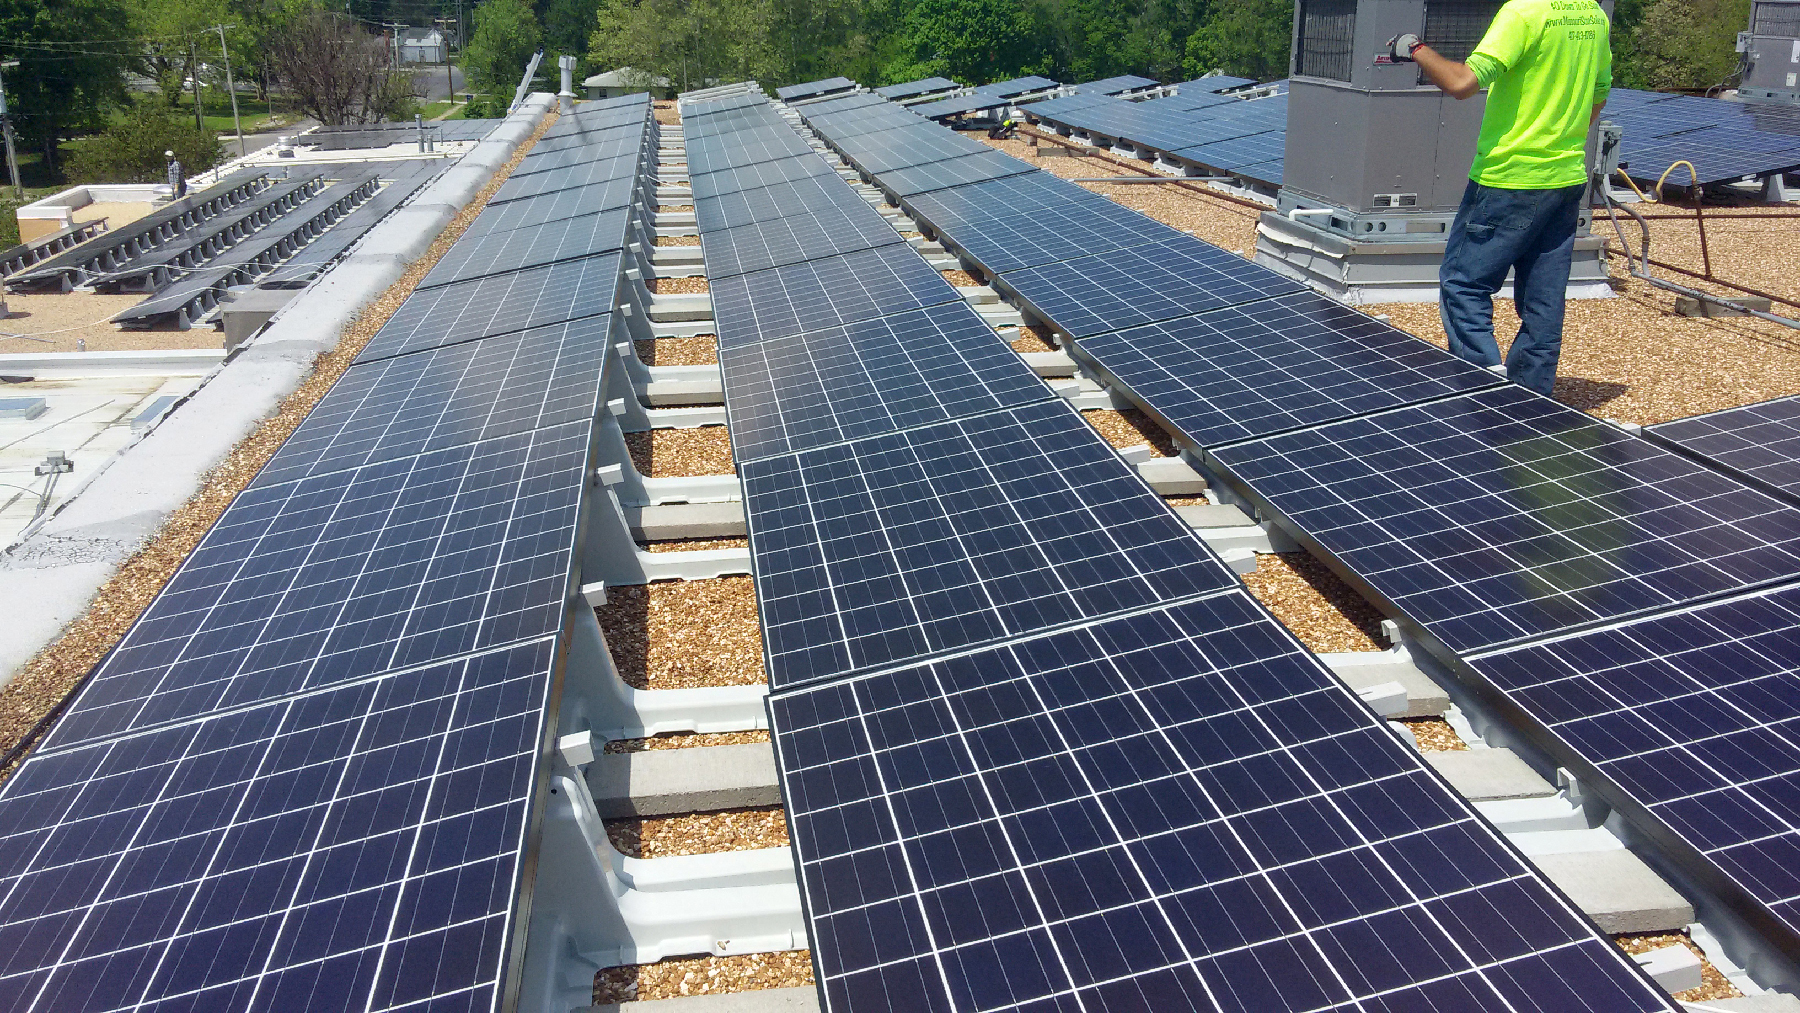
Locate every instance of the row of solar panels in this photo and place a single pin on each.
(1220, 132)
(1725, 141)
(1038, 747)
(305, 778)
(1639, 607)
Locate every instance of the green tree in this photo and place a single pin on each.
(506, 34)
(567, 24)
(63, 81)
(131, 150)
(976, 41)
(1686, 43)
(178, 36)
(690, 42)
(1248, 38)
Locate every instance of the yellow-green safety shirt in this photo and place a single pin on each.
(1545, 64)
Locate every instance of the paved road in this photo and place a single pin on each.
(428, 82)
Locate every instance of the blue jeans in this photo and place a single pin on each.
(1532, 234)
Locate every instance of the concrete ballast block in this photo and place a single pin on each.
(768, 1000)
(1618, 891)
(658, 782)
(672, 521)
(1489, 775)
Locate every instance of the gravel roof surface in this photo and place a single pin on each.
(701, 350)
(664, 453)
(684, 634)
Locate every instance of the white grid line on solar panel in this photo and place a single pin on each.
(1264, 367)
(1760, 441)
(975, 203)
(1693, 716)
(734, 122)
(745, 147)
(1048, 235)
(1239, 151)
(574, 158)
(764, 203)
(1118, 875)
(951, 172)
(761, 174)
(530, 246)
(825, 293)
(794, 239)
(872, 377)
(388, 566)
(941, 537)
(842, 129)
(477, 390)
(553, 206)
(586, 138)
(915, 147)
(401, 804)
(1500, 515)
(500, 304)
(588, 174)
(1126, 288)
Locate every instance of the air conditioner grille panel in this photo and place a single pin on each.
(1327, 33)
(1455, 27)
(1779, 20)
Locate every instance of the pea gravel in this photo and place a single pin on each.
(684, 634)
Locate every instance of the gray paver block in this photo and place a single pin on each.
(1489, 775)
(1424, 697)
(660, 782)
(1618, 891)
(1214, 515)
(669, 521)
(768, 1000)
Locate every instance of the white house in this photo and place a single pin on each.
(421, 45)
(624, 81)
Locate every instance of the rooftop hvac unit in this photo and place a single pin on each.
(1377, 157)
(1771, 53)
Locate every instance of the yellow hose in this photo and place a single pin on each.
(1693, 176)
(1634, 187)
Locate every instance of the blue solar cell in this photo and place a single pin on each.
(1239, 151)
(825, 293)
(1181, 809)
(1051, 235)
(923, 86)
(498, 304)
(942, 537)
(1273, 365)
(794, 239)
(1501, 515)
(1759, 442)
(826, 86)
(869, 378)
(530, 246)
(1141, 285)
(954, 207)
(951, 172)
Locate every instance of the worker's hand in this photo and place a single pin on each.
(1400, 47)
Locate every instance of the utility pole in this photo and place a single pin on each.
(394, 54)
(449, 82)
(194, 69)
(12, 158)
(231, 86)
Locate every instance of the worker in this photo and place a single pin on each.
(177, 178)
(1002, 131)
(1547, 65)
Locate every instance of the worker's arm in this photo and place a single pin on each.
(1594, 117)
(1457, 80)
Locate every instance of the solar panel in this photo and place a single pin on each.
(499, 304)
(745, 147)
(586, 174)
(974, 102)
(358, 847)
(926, 145)
(811, 88)
(796, 238)
(596, 135)
(1501, 515)
(1247, 150)
(942, 537)
(1759, 442)
(1178, 810)
(975, 203)
(311, 583)
(825, 293)
(796, 197)
(750, 177)
(1692, 715)
(1187, 101)
(693, 111)
(530, 246)
(1270, 172)
(1115, 85)
(1050, 235)
(448, 396)
(572, 159)
(1273, 365)
(1017, 86)
(873, 377)
(1142, 285)
(1214, 83)
(549, 207)
(924, 86)
(951, 172)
